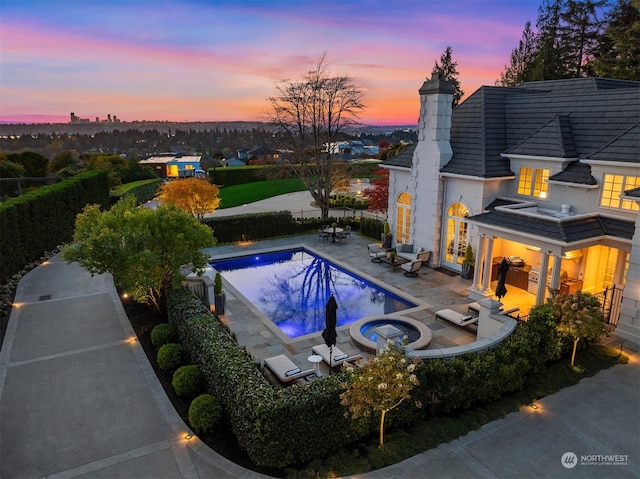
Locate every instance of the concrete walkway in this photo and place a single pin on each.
(78, 398)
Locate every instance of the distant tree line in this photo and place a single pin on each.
(578, 38)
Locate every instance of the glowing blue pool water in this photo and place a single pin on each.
(292, 288)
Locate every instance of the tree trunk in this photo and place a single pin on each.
(575, 346)
(382, 415)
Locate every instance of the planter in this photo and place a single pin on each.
(219, 300)
(467, 271)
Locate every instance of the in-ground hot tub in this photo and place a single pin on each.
(364, 336)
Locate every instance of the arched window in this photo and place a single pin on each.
(456, 235)
(403, 219)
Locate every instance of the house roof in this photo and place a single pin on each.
(634, 193)
(554, 139)
(575, 118)
(576, 172)
(501, 202)
(170, 159)
(626, 147)
(403, 159)
(567, 230)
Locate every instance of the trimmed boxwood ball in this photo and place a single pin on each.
(162, 334)
(187, 381)
(170, 356)
(204, 413)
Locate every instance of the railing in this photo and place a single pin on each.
(610, 299)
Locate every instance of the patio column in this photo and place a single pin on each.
(541, 294)
(555, 273)
(480, 266)
(486, 268)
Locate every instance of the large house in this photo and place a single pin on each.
(546, 175)
(171, 166)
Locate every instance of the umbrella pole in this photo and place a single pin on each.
(330, 359)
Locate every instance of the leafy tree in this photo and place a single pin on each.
(378, 196)
(381, 386)
(311, 115)
(62, 160)
(35, 165)
(448, 71)
(618, 51)
(196, 196)
(579, 315)
(143, 249)
(10, 169)
(522, 60)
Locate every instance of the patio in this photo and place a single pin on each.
(437, 290)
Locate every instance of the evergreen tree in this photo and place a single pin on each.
(549, 62)
(579, 33)
(618, 51)
(448, 71)
(522, 60)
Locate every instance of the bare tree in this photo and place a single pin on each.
(312, 115)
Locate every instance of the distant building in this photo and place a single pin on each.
(174, 166)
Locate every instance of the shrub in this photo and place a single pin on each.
(163, 334)
(204, 413)
(187, 381)
(170, 356)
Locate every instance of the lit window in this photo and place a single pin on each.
(612, 188)
(403, 220)
(533, 182)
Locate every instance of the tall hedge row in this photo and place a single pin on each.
(143, 190)
(252, 227)
(232, 176)
(42, 219)
(259, 226)
(281, 427)
(275, 427)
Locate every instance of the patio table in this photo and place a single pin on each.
(397, 261)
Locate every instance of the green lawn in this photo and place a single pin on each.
(239, 195)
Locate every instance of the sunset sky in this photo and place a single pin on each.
(219, 60)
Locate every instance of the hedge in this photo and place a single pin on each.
(259, 226)
(143, 190)
(44, 218)
(281, 427)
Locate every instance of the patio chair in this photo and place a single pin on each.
(285, 369)
(375, 252)
(322, 235)
(337, 358)
(411, 268)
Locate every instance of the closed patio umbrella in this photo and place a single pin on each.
(331, 320)
(501, 289)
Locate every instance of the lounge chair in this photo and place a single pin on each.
(411, 268)
(455, 317)
(285, 369)
(375, 252)
(337, 358)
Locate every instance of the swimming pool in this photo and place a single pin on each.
(292, 287)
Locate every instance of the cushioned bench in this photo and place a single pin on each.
(455, 317)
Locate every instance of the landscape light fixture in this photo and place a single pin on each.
(188, 436)
(533, 406)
